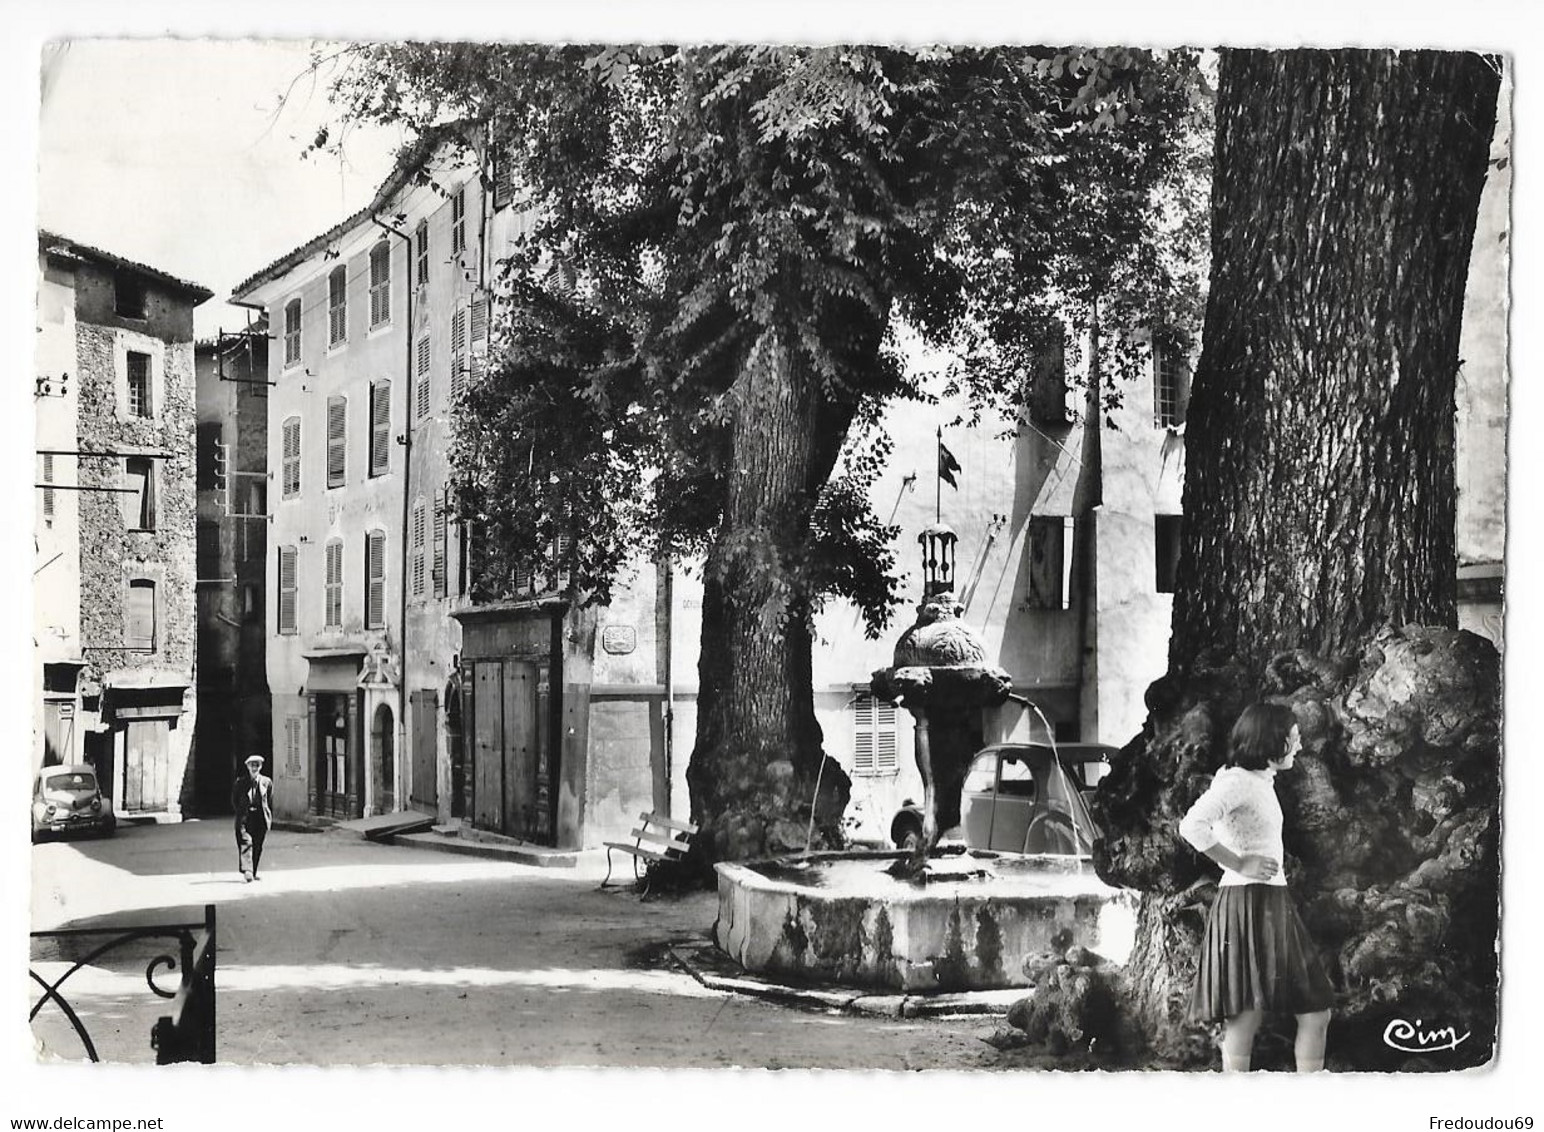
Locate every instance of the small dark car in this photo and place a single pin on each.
(68, 799)
(1021, 798)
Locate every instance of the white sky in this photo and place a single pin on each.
(186, 155)
(165, 152)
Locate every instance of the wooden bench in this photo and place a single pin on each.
(656, 838)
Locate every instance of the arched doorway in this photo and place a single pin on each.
(382, 736)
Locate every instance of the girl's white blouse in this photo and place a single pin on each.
(1239, 811)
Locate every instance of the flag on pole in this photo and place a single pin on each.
(947, 466)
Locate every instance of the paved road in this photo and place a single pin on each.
(350, 953)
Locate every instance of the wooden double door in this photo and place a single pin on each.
(512, 762)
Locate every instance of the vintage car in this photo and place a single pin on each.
(1021, 798)
(68, 798)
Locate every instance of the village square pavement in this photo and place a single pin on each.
(354, 953)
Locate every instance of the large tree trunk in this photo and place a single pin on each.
(1319, 506)
(758, 754)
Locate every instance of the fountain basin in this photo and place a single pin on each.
(968, 924)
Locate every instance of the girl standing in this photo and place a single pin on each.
(1256, 954)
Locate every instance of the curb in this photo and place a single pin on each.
(520, 855)
(875, 1003)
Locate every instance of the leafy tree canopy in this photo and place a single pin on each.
(689, 208)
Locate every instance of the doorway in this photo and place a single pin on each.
(331, 755)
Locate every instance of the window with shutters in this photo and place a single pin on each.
(290, 458)
(337, 441)
(380, 283)
(416, 546)
(291, 333)
(874, 744)
(139, 615)
(562, 562)
(421, 244)
(380, 427)
(458, 353)
(138, 367)
(441, 542)
(1166, 538)
(139, 477)
(458, 222)
(423, 377)
(477, 359)
(287, 581)
(294, 746)
(375, 580)
(1047, 392)
(337, 306)
(333, 585)
(1050, 562)
(48, 493)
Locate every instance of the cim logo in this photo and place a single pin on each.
(1408, 1037)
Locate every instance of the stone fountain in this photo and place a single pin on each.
(930, 919)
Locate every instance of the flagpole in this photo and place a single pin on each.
(938, 478)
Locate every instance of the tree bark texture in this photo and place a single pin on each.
(758, 753)
(1319, 496)
(1319, 534)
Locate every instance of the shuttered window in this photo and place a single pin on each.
(477, 360)
(139, 615)
(457, 354)
(441, 542)
(380, 283)
(423, 377)
(290, 463)
(292, 332)
(1048, 380)
(562, 562)
(873, 739)
(287, 557)
(333, 617)
(337, 306)
(337, 440)
(422, 243)
(416, 548)
(375, 580)
(380, 427)
(458, 222)
(1050, 562)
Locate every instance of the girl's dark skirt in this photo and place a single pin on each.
(1257, 955)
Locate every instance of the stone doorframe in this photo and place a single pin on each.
(379, 680)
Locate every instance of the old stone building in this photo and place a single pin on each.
(232, 541)
(115, 607)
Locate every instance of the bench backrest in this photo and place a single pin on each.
(666, 835)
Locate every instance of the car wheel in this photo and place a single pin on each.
(906, 833)
(1051, 832)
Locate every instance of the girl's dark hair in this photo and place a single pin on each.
(1260, 735)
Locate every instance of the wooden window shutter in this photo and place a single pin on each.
(48, 495)
(423, 377)
(458, 354)
(337, 306)
(292, 332)
(337, 437)
(884, 737)
(441, 541)
(416, 557)
(291, 457)
(139, 628)
(423, 253)
(863, 734)
(294, 745)
(334, 584)
(287, 585)
(1048, 381)
(375, 580)
(380, 427)
(380, 283)
(1050, 561)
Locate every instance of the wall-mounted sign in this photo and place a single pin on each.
(619, 640)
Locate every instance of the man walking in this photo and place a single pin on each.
(252, 800)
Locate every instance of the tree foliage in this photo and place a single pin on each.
(690, 206)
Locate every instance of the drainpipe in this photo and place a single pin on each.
(407, 492)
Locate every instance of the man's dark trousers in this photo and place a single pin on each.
(250, 833)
